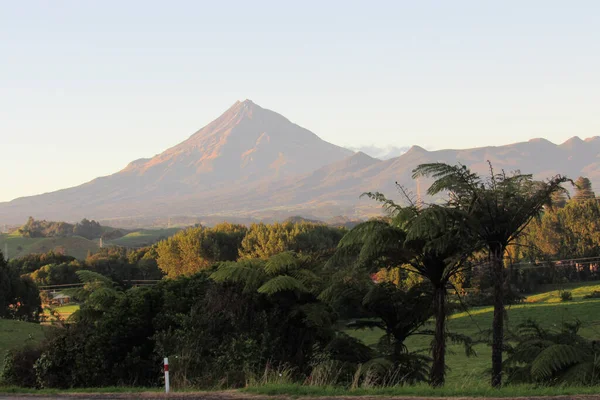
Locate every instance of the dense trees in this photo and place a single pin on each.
(212, 331)
(583, 189)
(87, 229)
(32, 262)
(197, 249)
(241, 300)
(572, 231)
(19, 296)
(36, 228)
(117, 263)
(429, 241)
(200, 248)
(264, 241)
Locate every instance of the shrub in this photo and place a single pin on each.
(565, 295)
(19, 367)
(552, 356)
(594, 295)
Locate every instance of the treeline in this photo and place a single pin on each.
(39, 229)
(117, 263)
(199, 248)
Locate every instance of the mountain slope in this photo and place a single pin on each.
(245, 144)
(338, 186)
(254, 163)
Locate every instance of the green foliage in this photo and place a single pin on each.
(594, 295)
(565, 295)
(38, 229)
(398, 313)
(552, 357)
(88, 229)
(432, 242)
(19, 365)
(214, 333)
(19, 296)
(495, 211)
(583, 190)
(197, 249)
(56, 274)
(285, 272)
(569, 232)
(264, 241)
(33, 262)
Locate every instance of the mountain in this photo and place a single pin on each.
(254, 164)
(340, 184)
(245, 144)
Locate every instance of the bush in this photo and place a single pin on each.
(594, 295)
(19, 367)
(565, 295)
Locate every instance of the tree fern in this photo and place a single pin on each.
(282, 263)
(249, 273)
(552, 357)
(556, 358)
(282, 283)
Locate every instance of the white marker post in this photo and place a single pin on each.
(167, 386)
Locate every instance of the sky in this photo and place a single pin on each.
(88, 86)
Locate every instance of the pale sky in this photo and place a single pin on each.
(88, 86)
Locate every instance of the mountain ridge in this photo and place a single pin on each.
(252, 162)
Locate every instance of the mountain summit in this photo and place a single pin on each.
(246, 143)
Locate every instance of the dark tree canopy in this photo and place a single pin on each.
(497, 210)
(583, 189)
(19, 296)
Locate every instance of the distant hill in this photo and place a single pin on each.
(252, 164)
(14, 245)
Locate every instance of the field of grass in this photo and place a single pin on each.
(15, 334)
(65, 311)
(546, 308)
(19, 246)
(143, 237)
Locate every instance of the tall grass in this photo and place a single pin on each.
(466, 389)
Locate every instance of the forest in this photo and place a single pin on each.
(235, 305)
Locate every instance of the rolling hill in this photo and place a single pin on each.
(254, 164)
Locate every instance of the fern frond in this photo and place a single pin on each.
(281, 263)
(248, 273)
(86, 276)
(581, 374)
(282, 283)
(554, 358)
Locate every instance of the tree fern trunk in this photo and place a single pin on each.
(439, 342)
(496, 258)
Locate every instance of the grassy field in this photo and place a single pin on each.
(546, 308)
(77, 246)
(64, 311)
(15, 334)
(143, 237)
(19, 246)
